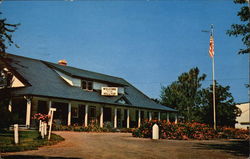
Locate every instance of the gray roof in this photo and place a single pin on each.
(44, 81)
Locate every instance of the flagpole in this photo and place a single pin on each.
(214, 110)
(214, 97)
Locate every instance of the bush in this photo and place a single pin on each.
(185, 131)
(6, 117)
(232, 133)
(92, 127)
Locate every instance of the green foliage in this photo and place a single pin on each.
(244, 28)
(194, 103)
(29, 140)
(5, 114)
(182, 94)
(226, 110)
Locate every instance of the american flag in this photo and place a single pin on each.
(211, 47)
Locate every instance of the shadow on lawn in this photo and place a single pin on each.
(34, 157)
(236, 147)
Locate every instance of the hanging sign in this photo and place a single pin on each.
(109, 91)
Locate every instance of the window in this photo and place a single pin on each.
(42, 107)
(92, 114)
(87, 85)
(90, 85)
(84, 84)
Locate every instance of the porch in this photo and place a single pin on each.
(84, 113)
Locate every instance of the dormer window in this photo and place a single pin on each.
(87, 85)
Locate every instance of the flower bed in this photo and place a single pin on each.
(185, 131)
(232, 133)
(93, 127)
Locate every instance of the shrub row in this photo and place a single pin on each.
(185, 131)
(90, 128)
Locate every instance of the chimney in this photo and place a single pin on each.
(62, 62)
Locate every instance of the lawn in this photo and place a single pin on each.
(28, 140)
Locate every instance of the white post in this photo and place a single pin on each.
(50, 106)
(69, 113)
(101, 118)
(155, 132)
(139, 118)
(127, 118)
(10, 106)
(150, 116)
(51, 119)
(176, 119)
(16, 133)
(45, 128)
(167, 116)
(115, 118)
(86, 116)
(40, 125)
(28, 111)
(42, 130)
(159, 116)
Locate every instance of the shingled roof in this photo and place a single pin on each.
(44, 81)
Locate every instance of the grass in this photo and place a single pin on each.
(28, 140)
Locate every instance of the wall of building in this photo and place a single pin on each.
(243, 120)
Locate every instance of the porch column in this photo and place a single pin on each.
(150, 116)
(159, 116)
(139, 118)
(167, 116)
(176, 119)
(10, 106)
(50, 106)
(115, 118)
(101, 117)
(86, 116)
(127, 118)
(28, 111)
(69, 113)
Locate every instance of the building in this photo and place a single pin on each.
(79, 96)
(243, 121)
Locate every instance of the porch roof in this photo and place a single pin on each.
(44, 81)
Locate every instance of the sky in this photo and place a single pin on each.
(147, 42)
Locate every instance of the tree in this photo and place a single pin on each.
(182, 94)
(226, 110)
(6, 31)
(244, 28)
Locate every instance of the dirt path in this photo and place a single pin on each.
(124, 146)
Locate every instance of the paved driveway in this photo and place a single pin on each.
(123, 146)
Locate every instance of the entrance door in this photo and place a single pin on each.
(107, 114)
(81, 116)
(61, 113)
